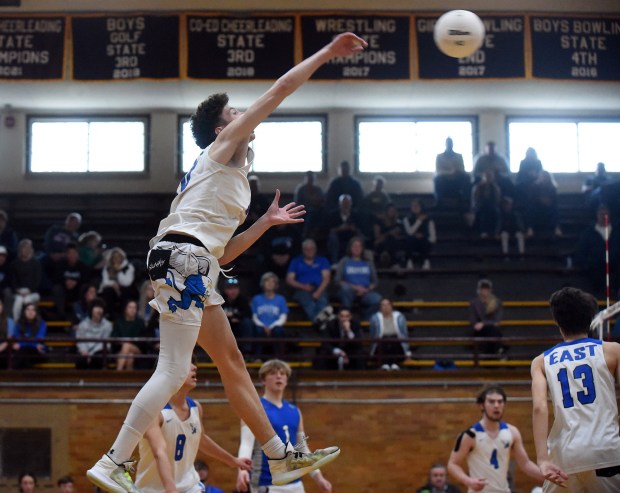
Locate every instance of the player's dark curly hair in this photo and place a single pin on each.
(573, 310)
(207, 117)
(493, 389)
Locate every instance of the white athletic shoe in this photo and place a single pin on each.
(109, 476)
(296, 464)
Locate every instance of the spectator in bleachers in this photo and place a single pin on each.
(391, 326)
(277, 247)
(530, 169)
(485, 200)
(29, 325)
(344, 184)
(88, 293)
(593, 186)
(94, 326)
(68, 277)
(92, 250)
(421, 235)
(590, 255)
(542, 212)
(129, 324)
(58, 236)
(117, 281)
(490, 160)
(146, 294)
(151, 322)
(377, 200)
(65, 484)
(269, 314)
(390, 240)
(27, 482)
(343, 348)
(451, 181)
(312, 197)
(357, 280)
(309, 276)
(25, 274)
(438, 481)
(511, 226)
(485, 315)
(237, 309)
(7, 327)
(259, 203)
(4, 270)
(342, 224)
(8, 237)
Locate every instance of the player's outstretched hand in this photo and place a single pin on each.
(346, 44)
(553, 473)
(290, 213)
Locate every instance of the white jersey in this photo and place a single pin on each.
(584, 435)
(490, 458)
(183, 439)
(211, 202)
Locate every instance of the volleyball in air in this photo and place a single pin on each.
(459, 33)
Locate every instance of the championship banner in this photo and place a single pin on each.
(244, 48)
(502, 55)
(32, 48)
(125, 47)
(388, 56)
(575, 48)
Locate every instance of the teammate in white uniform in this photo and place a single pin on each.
(582, 451)
(184, 263)
(170, 445)
(487, 447)
(287, 420)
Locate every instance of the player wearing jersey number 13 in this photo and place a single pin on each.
(582, 451)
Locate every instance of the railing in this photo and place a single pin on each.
(467, 350)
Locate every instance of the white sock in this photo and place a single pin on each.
(274, 448)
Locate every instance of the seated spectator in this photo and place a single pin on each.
(7, 327)
(421, 235)
(390, 325)
(80, 308)
(259, 203)
(277, 247)
(29, 325)
(94, 326)
(590, 255)
(4, 271)
(65, 484)
(344, 184)
(269, 314)
(237, 309)
(146, 295)
(490, 160)
(451, 180)
(344, 349)
(438, 481)
(92, 250)
(27, 482)
(68, 277)
(485, 200)
(25, 274)
(128, 325)
(313, 198)
(117, 281)
(530, 169)
(341, 224)
(593, 185)
(8, 237)
(357, 279)
(485, 315)
(542, 213)
(58, 236)
(309, 276)
(377, 200)
(202, 468)
(390, 241)
(511, 226)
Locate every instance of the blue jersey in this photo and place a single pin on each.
(268, 310)
(285, 421)
(309, 273)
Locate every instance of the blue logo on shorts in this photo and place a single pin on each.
(195, 290)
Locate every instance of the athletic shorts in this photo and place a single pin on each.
(585, 482)
(184, 277)
(297, 487)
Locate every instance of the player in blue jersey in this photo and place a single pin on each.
(287, 421)
(582, 450)
(487, 447)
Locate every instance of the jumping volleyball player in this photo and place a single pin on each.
(184, 264)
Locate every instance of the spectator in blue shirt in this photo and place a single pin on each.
(269, 311)
(29, 325)
(309, 275)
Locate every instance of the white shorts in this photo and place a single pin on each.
(184, 277)
(585, 482)
(297, 487)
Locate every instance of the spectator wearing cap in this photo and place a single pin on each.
(237, 309)
(8, 237)
(485, 315)
(58, 236)
(277, 247)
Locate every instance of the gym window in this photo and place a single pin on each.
(408, 144)
(565, 145)
(87, 145)
(283, 144)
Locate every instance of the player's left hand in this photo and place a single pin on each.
(346, 44)
(553, 473)
(243, 463)
(290, 213)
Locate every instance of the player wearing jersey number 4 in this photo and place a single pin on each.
(184, 264)
(487, 447)
(582, 450)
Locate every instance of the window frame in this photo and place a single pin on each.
(280, 117)
(89, 118)
(473, 119)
